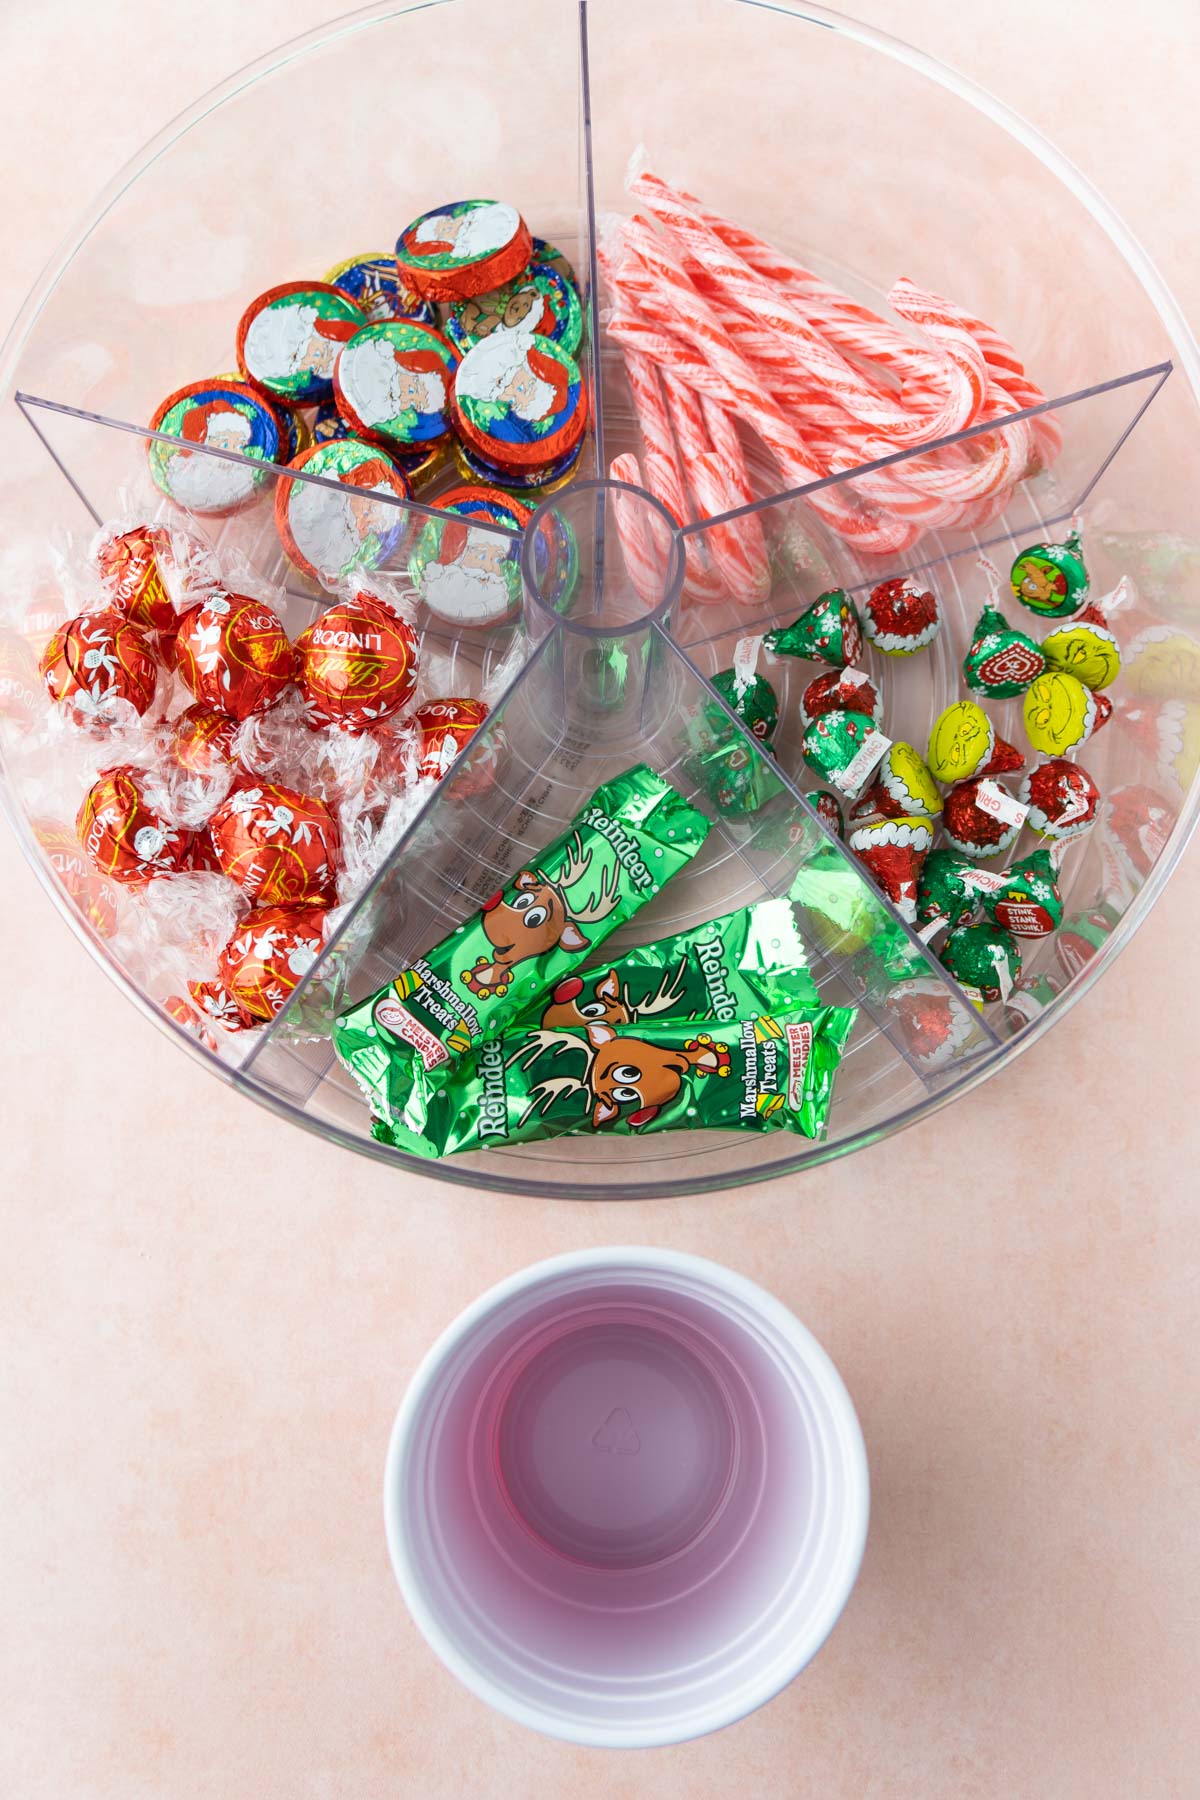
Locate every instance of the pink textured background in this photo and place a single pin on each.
(207, 1320)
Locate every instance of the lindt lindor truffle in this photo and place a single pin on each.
(100, 669)
(1051, 579)
(748, 961)
(444, 729)
(762, 1073)
(280, 846)
(233, 654)
(901, 617)
(357, 662)
(633, 834)
(123, 835)
(268, 954)
(830, 630)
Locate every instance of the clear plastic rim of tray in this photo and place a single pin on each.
(796, 1153)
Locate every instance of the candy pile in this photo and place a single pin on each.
(261, 780)
(497, 1036)
(720, 329)
(921, 824)
(463, 346)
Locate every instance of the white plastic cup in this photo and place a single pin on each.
(626, 1497)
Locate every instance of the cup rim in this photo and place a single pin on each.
(818, 1364)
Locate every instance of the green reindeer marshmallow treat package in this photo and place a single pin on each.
(761, 1073)
(634, 833)
(749, 961)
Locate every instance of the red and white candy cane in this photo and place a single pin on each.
(643, 535)
(952, 385)
(738, 549)
(675, 329)
(662, 473)
(855, 329)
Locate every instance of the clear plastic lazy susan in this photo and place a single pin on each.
(784, 119)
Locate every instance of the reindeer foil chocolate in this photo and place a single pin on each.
(630, 838)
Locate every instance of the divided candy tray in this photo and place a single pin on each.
(858, 182)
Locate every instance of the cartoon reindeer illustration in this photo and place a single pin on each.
(540, 916)
(618, 1071)
(597, 995)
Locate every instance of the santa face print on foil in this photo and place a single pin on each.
(464, 236)
(292, 345)
(402, 392)
(343, 531)
(477, 586)
(209, 484)
(513, 388)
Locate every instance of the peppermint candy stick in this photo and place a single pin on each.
(661, 468)
(952, 385)
(693, 346)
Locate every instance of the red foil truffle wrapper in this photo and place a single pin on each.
(214, 1005)
(847, 689)
(21, 694)
(1062, 798)
(357, 663)
(444, 728)
(203, 741)
(280, 846)
(98, 664)
(266, 957)
(94, 898)
(128, 565)
(123, 836)
(234, 655)
(981, 818)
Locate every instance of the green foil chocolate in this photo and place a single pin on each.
(1001, 661)
(947, 889)
(749, 961)
(845, 748)
(634, 833)
(1026, 902)
(723, 764)
(983, 960)
(1051, 579)
(829, 631)
(828, 807)
(761, 1073)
